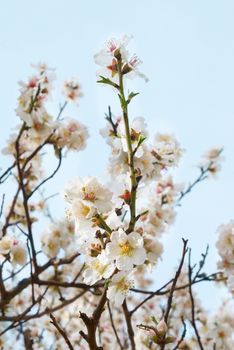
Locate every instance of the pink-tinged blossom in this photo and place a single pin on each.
(225, 247)
(71, 134)
(119, 287)
(16, 249)
(91, 192)
(108, 57)
(212, 160)
(166, 150)
(18, 253)
(72, 90)
(126, 250)
(225, 243)
(33, 95)
(153, 247)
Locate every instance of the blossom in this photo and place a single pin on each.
(71, 134)
(59, 235)
(225, 243)
(126, 250)
(18, 253)
(50, 245)
(153, 247)
(119, 287)
(109, 57)
(91, 193)
(5, 244)
(98, 268)
(72, 90)
(33, 95)
(166, 150)
(16, 249)
(212, 160)
(167, 190)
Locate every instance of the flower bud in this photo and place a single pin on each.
(162, 328)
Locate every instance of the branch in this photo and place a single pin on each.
(193, 321)
(113, 327)
(92, 323)
(128, 316)
(182, 335)
(49, 177)
(177, 275)
(61, 331)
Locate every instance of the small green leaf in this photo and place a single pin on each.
(107, 81)
(131, 96)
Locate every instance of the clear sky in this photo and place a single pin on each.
(187, 48)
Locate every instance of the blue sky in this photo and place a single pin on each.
(187, 48)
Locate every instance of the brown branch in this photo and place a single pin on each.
(25, 197)
(61, 331)
(28, 341)
(177, 275)
(182, 335)
(193, 320)
(128, 316)
(10, 213)
(20, 319)
(24, 283)
(173, 287)
(152, 294)
(203, 176)
(114, 328)
(7, 172)
(49, 177)
(92, 323)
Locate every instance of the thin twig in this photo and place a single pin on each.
(127, 315)
(193, 320)
(114, 328)
(61, 331)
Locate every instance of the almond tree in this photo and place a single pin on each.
(87, 281)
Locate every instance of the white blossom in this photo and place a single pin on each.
(98, 268)
(126, 250)
(119, 287)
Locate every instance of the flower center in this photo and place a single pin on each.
(113, 67)
(126, 249)
(122, 285)
(90, 196)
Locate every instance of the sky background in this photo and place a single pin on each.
(187, 51)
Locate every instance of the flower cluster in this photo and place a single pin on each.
(58, 236)
(108, 58)
(225, 247)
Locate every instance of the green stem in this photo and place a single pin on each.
(124, 105)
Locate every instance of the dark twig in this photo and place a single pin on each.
(128, 316)
(61, 331)
(49, 177)
(182, 335)
(2, 204)
(193, 320)
(92, 323)
(28, 341)
(114, 328)
(173, 287)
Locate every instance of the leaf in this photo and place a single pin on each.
(131, 96)
(107, 81)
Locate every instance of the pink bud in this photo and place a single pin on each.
(162, 328)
